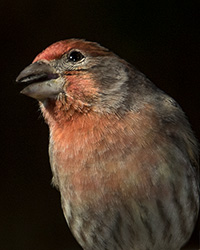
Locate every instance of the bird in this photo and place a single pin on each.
(122, 152)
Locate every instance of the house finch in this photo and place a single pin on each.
(122, 152)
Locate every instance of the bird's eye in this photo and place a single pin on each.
(75, 56)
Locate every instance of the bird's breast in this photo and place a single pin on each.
(92, 153)
(109, 168)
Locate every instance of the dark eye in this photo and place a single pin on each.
(75, 56)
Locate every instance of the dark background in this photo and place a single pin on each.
(161, 38)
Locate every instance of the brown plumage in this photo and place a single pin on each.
(122, 153)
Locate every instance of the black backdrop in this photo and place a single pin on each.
(161, 38)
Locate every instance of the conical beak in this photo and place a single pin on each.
(42, 80)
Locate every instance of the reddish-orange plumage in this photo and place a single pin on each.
(58, 49)
(122, 152)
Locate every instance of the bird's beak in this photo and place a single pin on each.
(42, 80)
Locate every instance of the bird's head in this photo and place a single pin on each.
(78, 75)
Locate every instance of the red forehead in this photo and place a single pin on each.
(56, 50)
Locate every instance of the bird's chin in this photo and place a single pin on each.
(43, 90)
